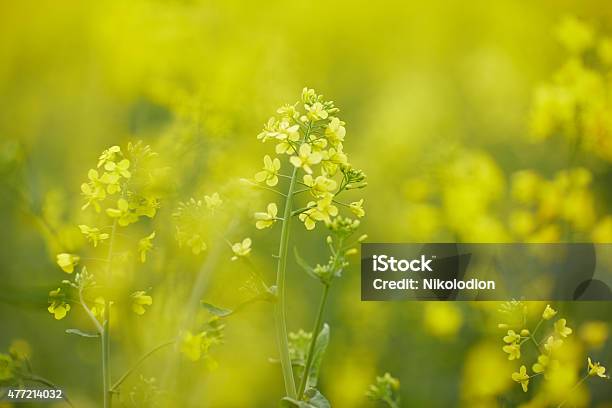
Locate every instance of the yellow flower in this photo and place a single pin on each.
(21, 349)
(522, 222)
(57, 306)
(442, 319)
(305, 158)
(269, 130)
(270, 172)
(357, 208)
(513, 350)
(139, 300)
(108, 155)
(512, 337)
(308, 217)
(322, 210)
(67, 261)
(575, 35)
(94, 191)
(112, 181)
(542, 363)
(213, 202)
(191, 345)
(596, 369)
(561, 329)
(552, 344)
(286, 134)
(98, 307)
(241, 248)
(266, 219)
(93, 234)
(525, 186)
(144, 245)
(521, 377)
(320, 185)
(316, 111)
(332, 158)
(594, 333)
(120, 169)
(548, 313)
(335, 131)
(326, 209)
(122, 213)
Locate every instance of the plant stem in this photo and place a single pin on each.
(391, 403)
(95, 321)
(313, 341)
(279, 309)
(137, 363)
(105, 335)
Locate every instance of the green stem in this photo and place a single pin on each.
(390, 402)
(105, 335)
(315, 334)
(95, 321)
(138, 363)
(537, 327)
(279, 309)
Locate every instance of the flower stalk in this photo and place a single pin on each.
(315, 332)
(313, 140)
(279, 309)
(105, 335)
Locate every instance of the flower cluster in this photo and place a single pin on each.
(15, 365)
(548, 347)
(121, 185)
(110, 181)
(309, 160)
(192, 221)
(576, 103)
(542, 207)
(196, 346)
(298, 347)
(341, 228)
(312, 139)
(385, 390)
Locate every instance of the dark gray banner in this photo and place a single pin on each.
(444, 271)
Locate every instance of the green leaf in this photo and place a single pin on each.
(312, 399)
(293, 403)
(223, 312)
(304, 265)
(82, 333)
(319, 351)
(215, 310)
(316, 399)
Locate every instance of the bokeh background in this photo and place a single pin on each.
(475, 122)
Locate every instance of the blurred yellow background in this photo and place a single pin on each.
(474, 121)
